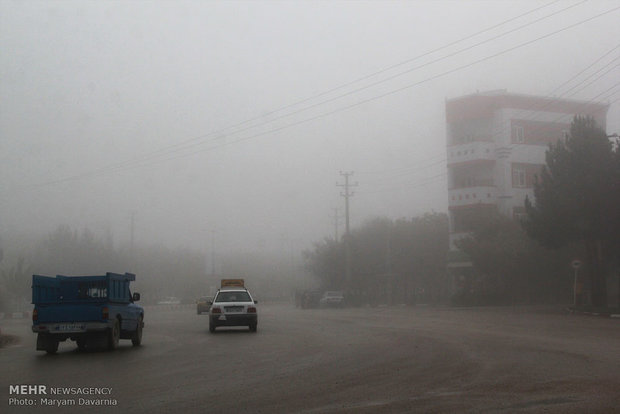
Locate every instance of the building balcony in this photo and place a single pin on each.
(471, 152)
(454, 237)
(461, 197)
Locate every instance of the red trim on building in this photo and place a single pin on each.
(537, 132)
(482, 106)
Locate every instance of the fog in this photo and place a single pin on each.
(225, 125)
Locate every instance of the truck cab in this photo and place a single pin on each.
(93, 311)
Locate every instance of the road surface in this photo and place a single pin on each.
(366, 360)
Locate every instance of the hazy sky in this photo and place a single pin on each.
(237, 116)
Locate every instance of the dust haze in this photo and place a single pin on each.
(222, 127)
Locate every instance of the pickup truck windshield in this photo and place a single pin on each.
(240, 296)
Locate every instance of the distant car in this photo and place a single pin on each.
(203, 304)
(170, 300)
(332, 299)
(233, 307)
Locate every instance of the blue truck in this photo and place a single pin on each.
(93, 311)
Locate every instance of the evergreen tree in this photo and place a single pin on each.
(576, 199)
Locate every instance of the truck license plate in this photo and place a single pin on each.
(70, 327)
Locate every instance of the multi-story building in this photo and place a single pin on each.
(496, 145)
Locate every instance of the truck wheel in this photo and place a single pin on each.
(211, 328)
(81, 344)
(114, 334)
(136, 338)
(253, 327)
(52, 346)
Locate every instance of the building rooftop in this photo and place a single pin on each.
(483, 104)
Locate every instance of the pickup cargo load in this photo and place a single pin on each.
(93, 311)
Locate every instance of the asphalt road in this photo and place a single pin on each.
(367, 360)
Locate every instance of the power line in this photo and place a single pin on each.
(223, 130)
(413, 59)
(425, 181)
(187, 144)
(539, 109)
(425, 64)
(124, 166)
(409, 184)
(344, 108)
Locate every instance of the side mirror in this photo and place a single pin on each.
(256, 302)
(209, 302)
(136, 297)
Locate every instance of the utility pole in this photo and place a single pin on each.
(347, 194)
(336, 218)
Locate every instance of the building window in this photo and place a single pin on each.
(518, 177)
(519, 134)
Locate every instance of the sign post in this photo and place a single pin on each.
(576, 264)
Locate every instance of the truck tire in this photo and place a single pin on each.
(253, 327)
(81, 344)
(136, 338)
(114, 334)
(47, 342)
(52, 346)
(211, 327)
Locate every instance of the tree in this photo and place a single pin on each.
(513, 268)
(421, 247)
(576, 199)
(326, 262)
(393, 261)
(15, 284)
